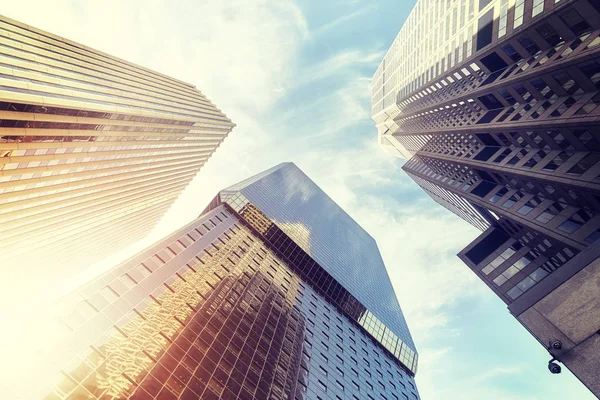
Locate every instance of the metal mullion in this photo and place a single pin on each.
(72, 94)
(30, 116)
(126, 93)
(130, 160)
(125, 169)
(88, 63)
(89, 144)
(49, 41)
(96, 197)
(99, 230)
(86, 132)
(108, 179)
(81, 215)
(44, 157)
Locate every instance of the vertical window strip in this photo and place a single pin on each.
(538, 7)
(503, 20)
(519, 12)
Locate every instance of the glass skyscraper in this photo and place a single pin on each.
(274, 292)
(93, 149)
(495, 104)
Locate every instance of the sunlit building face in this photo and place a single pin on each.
(93, 149)
(232, 307)
(495, 106)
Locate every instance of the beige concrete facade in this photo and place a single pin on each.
(571, 314)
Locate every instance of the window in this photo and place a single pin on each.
(519, 12)
(592, 237)
(538, 7)
(108, 293)
(530, 205)
(128, 281)
(550, 213)
(584, 165)
(511, 201)
(527, 283)
(512, 271)
(495, 263)
(503, 18)
(575, 221)
(485, 29)
(483, 3)
(322, 386)
(575, 21)
(498, 195)
(86, 310)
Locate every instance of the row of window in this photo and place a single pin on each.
(128, 280)
(88, 63)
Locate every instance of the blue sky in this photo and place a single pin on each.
(295, 77)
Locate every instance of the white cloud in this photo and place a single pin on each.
(342, 62)
(495, 373)
(341, 20)
(489, 384)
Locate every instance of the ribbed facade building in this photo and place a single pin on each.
(93, 149)
(495, 105)
(274, 292)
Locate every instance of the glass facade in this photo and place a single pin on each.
(89, 144)
(228, 307)
(326, 233)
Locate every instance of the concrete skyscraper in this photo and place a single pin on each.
(495, 104)
(93, 149)
(274, 292)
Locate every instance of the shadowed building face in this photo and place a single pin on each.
(495, 104)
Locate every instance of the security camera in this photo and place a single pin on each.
(554, 367)
(556, 345)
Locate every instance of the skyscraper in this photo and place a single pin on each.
(495, 106)
(273, 292)
(93, 149)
